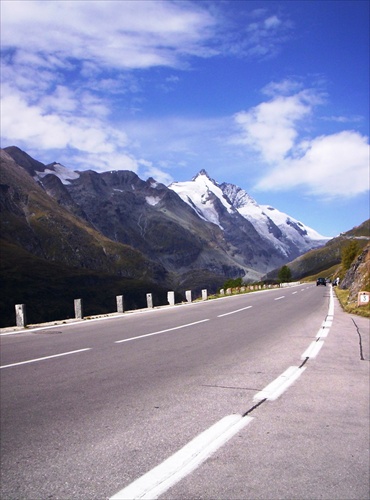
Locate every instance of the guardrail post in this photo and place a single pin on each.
(20, 315)
(171, 298)
(149, 300)
(120, 304)
(188, 296)
(78, 309)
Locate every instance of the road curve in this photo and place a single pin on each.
(89, 408)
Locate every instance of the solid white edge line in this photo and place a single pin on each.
(273, 390)
(313, 349)
(322, 333)
(161, 331)
(180, 464)
(280, 390)
(233, 312)
(46, 357)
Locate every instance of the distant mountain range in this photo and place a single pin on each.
(68, 234)
(184, 233)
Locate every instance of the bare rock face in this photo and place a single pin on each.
(357, 278)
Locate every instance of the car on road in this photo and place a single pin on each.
(321, 281)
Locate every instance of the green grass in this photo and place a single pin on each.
(351, 306)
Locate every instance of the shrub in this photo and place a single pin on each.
(285, 274)
(233, 283)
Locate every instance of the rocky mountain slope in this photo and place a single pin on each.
(357, 278)
(34, 221)
(273, 232)
(326, 259)
(200, 228)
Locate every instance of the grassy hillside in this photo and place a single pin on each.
(324, 261)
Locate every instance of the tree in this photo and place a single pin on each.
(348, 254)
(233, 283)
(285, 274)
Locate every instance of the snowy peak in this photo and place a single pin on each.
(65, 174)
(237, 196)
(281, 220)
(203, 176)
(203, 195)
(219, 203)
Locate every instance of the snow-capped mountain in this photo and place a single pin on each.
(65, 174)
(200, 193)
(199, 232)
(288, 235)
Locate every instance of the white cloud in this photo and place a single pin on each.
(63, 62)
(327, 165)
(126, 34)
(66, 64)
(271, 128)
(156, 173)
(265, 35)
(332, 165)
(32, 124)
(99, 162)
(283, 87)
(343, 119)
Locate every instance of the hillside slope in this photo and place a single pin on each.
(35, 222)
(214, 230)
(322, 259)
(357, 278)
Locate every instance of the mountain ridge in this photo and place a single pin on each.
(288, 235)
(197, 225)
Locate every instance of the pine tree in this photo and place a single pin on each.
(285, 274)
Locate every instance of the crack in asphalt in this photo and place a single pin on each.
(254, 407)
(303, 362)
(230, 387)
(360, 340)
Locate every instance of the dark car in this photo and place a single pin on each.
(321, 281)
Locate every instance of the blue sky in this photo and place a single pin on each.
(272, 96)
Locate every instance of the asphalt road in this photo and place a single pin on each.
(88, 408)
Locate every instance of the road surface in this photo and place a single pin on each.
(88, 409)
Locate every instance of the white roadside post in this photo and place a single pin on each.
(20, 315)
(171, 298)
(149, 300)
(78, 308)
(120, 304)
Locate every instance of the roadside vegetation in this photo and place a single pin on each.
(354, 276)
(350, 306)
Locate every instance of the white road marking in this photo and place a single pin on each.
(327, 323)
(233, 312)
(155, 482)
(313, 349)
(46, 357)
(273, 390)
(322, 333)
(294, 293)
(161, 331)
(278, 298)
